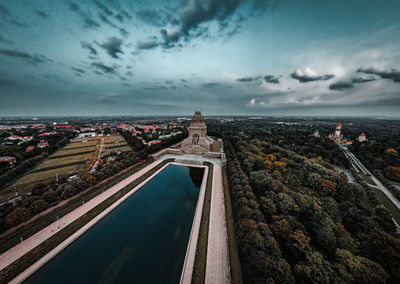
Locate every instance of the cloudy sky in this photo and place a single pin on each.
(272, 57)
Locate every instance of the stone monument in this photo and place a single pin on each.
(198, 142)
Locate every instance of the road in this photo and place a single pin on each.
(354, 160)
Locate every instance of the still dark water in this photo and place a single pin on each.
(143, 240)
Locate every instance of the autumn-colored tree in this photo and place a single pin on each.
(391, 151)
(328, 187)
(392, 173)
(280, 166)
(271, 158)
(18, 215)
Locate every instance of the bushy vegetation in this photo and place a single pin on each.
(28, 160)
(298, 220)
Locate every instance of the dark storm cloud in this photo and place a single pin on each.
(362, 80)
(41, 13)
(194, 13)
(392, 74)
(112, 46)
(170, 39)
(123, 32)
(88, 21)
(104, 68)
(211, 84)
(89, 46)
(151, 17)
(248, 79)
(271, 79)
(304, 78)
(105, 20)
(78, 70)
(35, 59)
(147, 44)
(338, 86)
(121, 16)
(103, 8)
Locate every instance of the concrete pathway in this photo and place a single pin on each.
(22, 248)
(217, 267)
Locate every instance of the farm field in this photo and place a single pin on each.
(44, 175)
(67, 161)
(109, 151)
(72, 151)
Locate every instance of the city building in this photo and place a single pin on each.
(42, 144)
(338, 135)
(30, 148)
(9, 160)
(198, 142)
(87, 134)
(362, 138)
(316, 133)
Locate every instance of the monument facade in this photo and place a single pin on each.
(198, 142)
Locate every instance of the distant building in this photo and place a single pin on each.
(338, 130)
(43, 144)
(362, 137)
(30, 148)
(338, 135)
(316, 133)
(87, 134)
(9, 160)
(14, 138)
(154, 142)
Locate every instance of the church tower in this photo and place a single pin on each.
(338, 129)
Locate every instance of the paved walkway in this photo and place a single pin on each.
(19, 250)
(217, 267)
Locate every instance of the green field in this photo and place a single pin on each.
(39, 176)
(67, 161)
(109, 151)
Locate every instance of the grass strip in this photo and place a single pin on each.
(69, 155)
(199, 269)
(56, 167)
(18, 266)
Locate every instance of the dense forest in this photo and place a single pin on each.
(297, 219)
